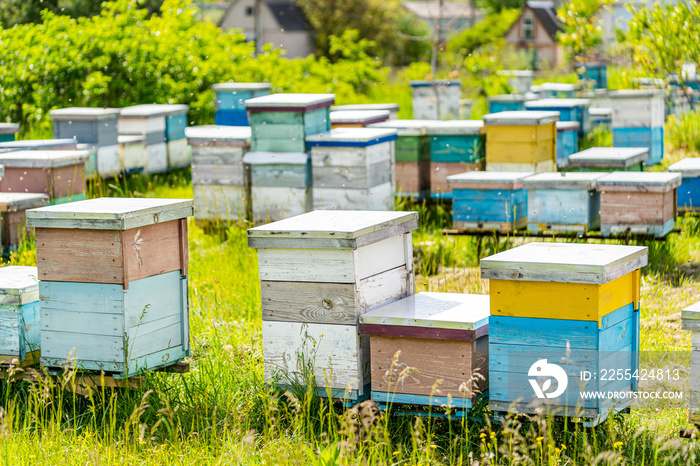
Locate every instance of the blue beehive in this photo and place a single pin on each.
(19, 315)
(601, 116)
(689, 190)
(594, 74)
(638, 121)
(230, 101)
(506, 103)
(8, 131)
(567, 141)
(569, 110)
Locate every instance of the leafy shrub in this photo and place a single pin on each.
(489, 30)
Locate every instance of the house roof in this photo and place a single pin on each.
(546, 14)
(431, 10)
(288, 15)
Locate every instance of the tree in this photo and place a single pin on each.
(496, 6)
(14, 12)
(582, 33)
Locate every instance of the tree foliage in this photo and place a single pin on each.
(29, 11)
(487, 31)
(496, 6)
(582, 33)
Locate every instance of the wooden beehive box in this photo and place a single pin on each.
(148, 120)
(357, 118)
(435, 100)
(689, 190)
(519, 80)
(13, 224)
(393, 109)
(638, 121)
(179, 152)
(506, 103)
(572, 305)
(218, 175)
(281, 122)
(8, 131)
(38, 144)
(594, 75)
(133, 153)
(638, 202)
(563, 202)
(318, 273)
(569, 110)
(691, 321)
(230, 101)
(567, 141)
(465, 108)
(113, 276)
(489, 201)
(521, 141)
(280, 184)
(441, 337)
(601, 116)
(353, 168)
(60, 174)
(607, 159)
(19, 316)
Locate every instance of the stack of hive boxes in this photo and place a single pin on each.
(148, 121)
(353, 168)
(113, 283)
(691, 321)
(393, 109)
(179, 153)
(521, 141)
(595, 75)
(19, 316)
(569, 110)
(97, 129)
(218, 176)
(607, 159)
(8, 131)
(13, 224)
(638, 121)
(318, 273)
(689, 190)
(567, 141)
(519, 80)
(435, 100)
(557, 311)
(231, 98)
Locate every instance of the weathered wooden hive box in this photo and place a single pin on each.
(436, 100)
(133, 153)
(318, 273)
(38, 144)
(519, 80)
(691, 321)
(13, 224)
(281, 122)
(148, 121)
(638, 203)
(456, 146)
(353, 168)
(280, 184)
(58, 173)
(412, 156)
(689, 190)
(230, 101)
(569, 110)
(557, 310)
(595, 75)
(600, 116)
(557, 90)
(607, 159)
(179, 153)
(427, 347)
(489, 201)
(638, 121)
(113, 283)
(8, 131)
(218, 175)
(563, 202)
(96, 127)
(393, 109)
(357, 118)
(506, 103)
(567, 141)
(20, 330)
(521, 141)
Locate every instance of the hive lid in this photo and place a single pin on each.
(431, 311)
(43, 158)
(407, 127)
(13, 202)
(563, 180)
(519, 73)
(609, 157)
(289, 102)
(488, 180)
(18, 285)
(352, 137)
(443, 82)
(215, 135)
(271, 158)
(110, 213)
(241, 87)
(359, 117)
(84, 113)
(9, 128)
(506, 98)
(169, 109)
(557, 103)
(639, 181)
(131, 139)
(564, 262)
(332, 229)
(567, 126)
(144, 111)
(520, 118)
(600, 111)
(689, 167)
(557, 87)
(34, 144)
(456, 127)
(390, 107)
(636, 93)
(691, 312)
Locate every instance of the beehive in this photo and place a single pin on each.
(8, 131)
(607, 159)
(357, 118)
(689, 190)
(567, 141)
(281, 122)
(13, 224)
(38, 144)
(595, 75)
(601, 116)
(412, 155)
(19, 316)
(638, 121)
(435, 100)
(96, 127)
(569, 110)
(179, 152)
(562, 202)
(489, 201)
(691, 321)
(318, 273)
(506, 103)
(353, 169)
(562, 309)
(638, 203)
(148, 121)
(557, 90)
(218, 175)
(456, 146)
(280, 184)
(230, 101)
(521, 141)
(393, 109)
(113, 283)
(465, 108)
(133, 153)
(58, 173)
(519, 80)
(442, 337)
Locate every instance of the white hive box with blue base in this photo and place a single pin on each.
(436, 100)
(148, 121)
(19, 316)
(8, 131)
(133, 153)
(318, 273)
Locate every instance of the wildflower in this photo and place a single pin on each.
(493, 435)
(618, 445)
(395, 453)
(563, 447)
(539, 439)
(482, 435)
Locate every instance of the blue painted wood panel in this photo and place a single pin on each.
(231, 118)
(7, 137)
(232, 100)
(563, 206)
(567, 144)
(495, 107)
(421, 400)
(471, 205)
(689, 193)
(19, 329)
(573, 113)
(102, 133)
(457, 148)
(281, 175)
(653, 138)
(175, 126)
(597, 74)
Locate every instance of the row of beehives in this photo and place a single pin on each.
(340, 314)
(109, 292)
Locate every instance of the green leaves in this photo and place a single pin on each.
(582, 32)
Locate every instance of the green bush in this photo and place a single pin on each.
(488, 31)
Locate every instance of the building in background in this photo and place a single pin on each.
(452, 17)
(536, 31)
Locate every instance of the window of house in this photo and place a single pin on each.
(249, 11)
(528, 30)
